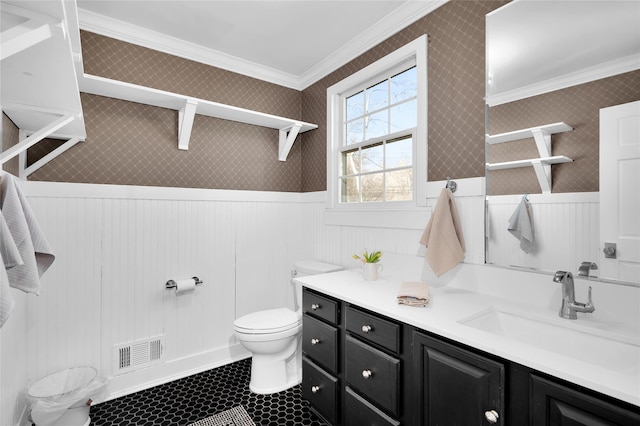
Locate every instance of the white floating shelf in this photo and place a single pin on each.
(542, 137)
(526, 163)
(550, 129)
(287, 127)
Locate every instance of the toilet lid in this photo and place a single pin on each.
(269, 321)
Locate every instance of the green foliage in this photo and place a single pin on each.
(373, 257)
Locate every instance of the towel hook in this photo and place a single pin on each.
(452, 185)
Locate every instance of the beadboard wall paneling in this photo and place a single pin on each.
(566, 226)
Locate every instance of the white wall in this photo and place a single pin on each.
(116, 247)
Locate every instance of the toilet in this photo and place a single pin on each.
(273, 337)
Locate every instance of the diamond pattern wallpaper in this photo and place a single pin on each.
(579, 107)
(10, 137)
(134, 144)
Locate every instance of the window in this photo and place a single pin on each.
(377, 140)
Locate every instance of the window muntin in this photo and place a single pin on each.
(377, 149)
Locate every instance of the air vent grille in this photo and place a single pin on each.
(139, 354)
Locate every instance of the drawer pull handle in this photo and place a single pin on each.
(492, 416)
(366, 374)
(315, 306)
(315, 341)
(315, 389)
(366, 328)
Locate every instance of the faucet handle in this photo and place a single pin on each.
(589, 300)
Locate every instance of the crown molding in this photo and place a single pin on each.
(596, 72)
(405, 15)
(391, 24)
(120, 30)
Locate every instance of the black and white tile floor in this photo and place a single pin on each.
(193, 398)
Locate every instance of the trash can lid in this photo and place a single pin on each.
(62, 382)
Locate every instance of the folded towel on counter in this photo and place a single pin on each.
(413, 294)
(32, 245)
(521, 225)
(443, 235)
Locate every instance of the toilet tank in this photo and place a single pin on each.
(304, 268)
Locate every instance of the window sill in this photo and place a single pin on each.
(413, 218)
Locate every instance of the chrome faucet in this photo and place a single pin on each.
(569, 306)
(585, 268)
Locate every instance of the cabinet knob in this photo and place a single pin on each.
(315, 341)
(315, 389)
(491, 416)
(366, 374)
(315, 306)
(366, 328)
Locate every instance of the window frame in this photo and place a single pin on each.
(415, 51)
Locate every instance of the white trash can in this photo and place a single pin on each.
(64, 398)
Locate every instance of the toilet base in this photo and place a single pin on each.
(270, 375)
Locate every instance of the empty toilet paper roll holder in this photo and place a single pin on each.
(173, 284)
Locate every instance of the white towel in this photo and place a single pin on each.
(32, 245)
(443, 235)
(521, 226)
(6, 301)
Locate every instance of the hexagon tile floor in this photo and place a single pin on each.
(193, 398)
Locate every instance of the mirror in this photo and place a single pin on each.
(548, 63)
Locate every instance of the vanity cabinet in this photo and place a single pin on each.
(370, 370)
(454, 386)
(320, 355)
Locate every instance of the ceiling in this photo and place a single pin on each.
(287, 42)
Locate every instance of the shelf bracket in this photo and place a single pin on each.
(35, 28)
(50, 156)
(287, 140)
(186, 116)
(35, 138)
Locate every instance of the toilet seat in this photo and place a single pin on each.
(267, 322)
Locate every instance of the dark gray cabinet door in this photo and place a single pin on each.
(455, 387)
(557, 405)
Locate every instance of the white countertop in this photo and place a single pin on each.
(451, 303)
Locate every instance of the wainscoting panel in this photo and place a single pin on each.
(566, 231)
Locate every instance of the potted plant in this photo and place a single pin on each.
(371, 265)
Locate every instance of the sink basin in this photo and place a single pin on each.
(569, 340)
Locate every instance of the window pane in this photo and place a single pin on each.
(377, 125)
(399, 185)
(399, 153)
(355, 132)
(350, 162)
(373, 158)
(378, 96)
(355, 106)
(404, 85)
(372, 188)
(404, 116)
(349, 190)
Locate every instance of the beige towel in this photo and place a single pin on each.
(413, 293)
(443, 235)
(32, 245)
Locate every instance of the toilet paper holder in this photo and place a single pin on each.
(173, 284)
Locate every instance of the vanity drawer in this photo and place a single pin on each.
(374, 329)
(374, 373)
(361, 412)
(320, 342)
(320, 389)
(320, 306)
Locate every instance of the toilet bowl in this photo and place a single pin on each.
(273, 338)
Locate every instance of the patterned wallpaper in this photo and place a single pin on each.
(579, 107)
(128, 143)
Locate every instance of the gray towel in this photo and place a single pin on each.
(32, 245)
(6, 301)
(521, 226)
